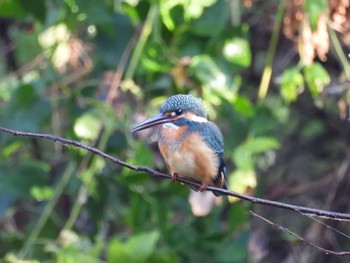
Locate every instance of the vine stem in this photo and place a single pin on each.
(146, 31)
(338, 49)
(47, 211)
(267, 73)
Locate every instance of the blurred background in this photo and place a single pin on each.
(274, 76)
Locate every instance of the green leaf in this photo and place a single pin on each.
(26, 110)
(312, 129)
(138, 248)
(243, 106)
(37, 9)
(234, 250)
(292, 84)
(313, 9)
(113, 41)
(212, 21)
(194, 8)
(240, 180)
(28, 47)
(12, 8)
(94, 12)
(317, 78)
(188, 10)
(261, 144)
(237, 51)
(207, 71)
(142, 155)
(214, 81)
(19, 181)
(243, 158)
(243, 154)
(264, 120)
(88, 125)
(41, 193)
(154, 58)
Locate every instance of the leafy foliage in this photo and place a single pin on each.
(88, 71)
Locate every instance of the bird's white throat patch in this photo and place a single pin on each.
(170, 125)
(198, 118)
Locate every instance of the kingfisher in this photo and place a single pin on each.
(190, 144)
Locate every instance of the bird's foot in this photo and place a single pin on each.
(174, 177)
(203, 187)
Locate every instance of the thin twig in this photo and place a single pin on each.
(117, 78)
(286, 230)
(330, 227)
(301, 209)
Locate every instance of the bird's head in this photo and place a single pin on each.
(175, 108)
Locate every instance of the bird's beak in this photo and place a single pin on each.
(150, 122)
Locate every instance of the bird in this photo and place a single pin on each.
(190, 144)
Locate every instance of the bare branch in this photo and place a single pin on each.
(301, 209)
(286, 230)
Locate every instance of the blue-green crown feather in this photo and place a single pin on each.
(184, 103)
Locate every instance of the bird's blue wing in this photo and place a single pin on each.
(212, 135)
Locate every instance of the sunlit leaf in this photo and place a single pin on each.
(71, 247)
(138, 248)
(214, 81)
(292, 84)
(54, 35)
(12, 9)
(237, 51)
(261, 144)
(191, 9)
(10, 257)
(54, 40)
(10, 148)
(242, 156)
(317, 78)
(88, 125)
(194, 8)
(240, 180)
(207, 72)
(42, 193)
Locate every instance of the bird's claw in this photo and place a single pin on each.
(174, 177)
(202, 187)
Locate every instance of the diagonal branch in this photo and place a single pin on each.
(301, 209)
(286, 230)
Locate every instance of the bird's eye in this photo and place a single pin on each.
(174, 113)
(178, 112)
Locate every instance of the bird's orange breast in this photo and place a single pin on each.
(187, 154)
